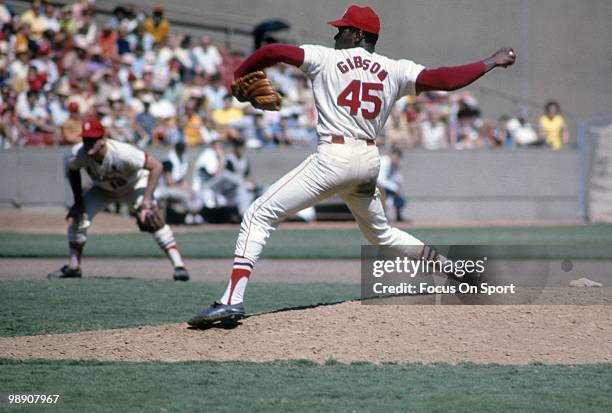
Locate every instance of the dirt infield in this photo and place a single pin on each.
(51, 221)
(345, 332)
(351, 332)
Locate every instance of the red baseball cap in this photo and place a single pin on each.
(92, 128)
(73, 107)
(363, 18)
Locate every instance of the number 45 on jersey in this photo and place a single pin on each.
(357, 92)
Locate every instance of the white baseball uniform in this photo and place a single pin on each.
(119, 177)
(354, 92)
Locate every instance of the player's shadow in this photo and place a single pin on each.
(222, 325)
(232, 324)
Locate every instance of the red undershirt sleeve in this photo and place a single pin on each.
(270, 55)
(449, 78)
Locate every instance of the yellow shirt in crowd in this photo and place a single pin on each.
(226, 116)
(36, 23)
(159, 32)
(192, 130)
(553, 130)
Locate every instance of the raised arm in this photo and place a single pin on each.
(456, 77)
(270, 55)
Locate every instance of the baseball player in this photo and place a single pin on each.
(120, 173)
(354, 90)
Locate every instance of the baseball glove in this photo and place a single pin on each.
(256, 88)
(152, 221)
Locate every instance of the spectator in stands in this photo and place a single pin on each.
(12, 132)
(467, 134)
(237, 164)
(192, 125)
(34, 19)
(46, 66)
(553, 129)
(67, 23)
(229, 119)
(208, 132)
(434, 132)
(207, 56)
(502, 135)
(32, 111)
(396, 132)
(49, 15)
(18, 69)
(214, 184)
(390, 178)
(215, 92)
(158, 25)
(174, 187)
(58, 105)
(145, 122)
(291, 132)
(108, 44)
(5, 14)
(70, 130)
(117, 125)
(75, 62)
(87, 34)
(523, 132)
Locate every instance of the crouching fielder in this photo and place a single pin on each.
(120, 173)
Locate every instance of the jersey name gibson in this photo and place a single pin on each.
(359, 62)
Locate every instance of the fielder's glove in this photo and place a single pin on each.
(256, 88)
(150, 218)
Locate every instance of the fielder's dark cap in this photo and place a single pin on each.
(363, 18)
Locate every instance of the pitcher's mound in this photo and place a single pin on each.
(351, 332)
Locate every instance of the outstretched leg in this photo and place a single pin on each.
(370, 215)
(95, 200)
(312, 181)
(164, 237)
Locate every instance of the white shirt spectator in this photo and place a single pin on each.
(59, 114)
(18, 70)
(434, 135)
(5, 16)
(180, 167)
(389, 178)
(30, 112)
(49, 68)
(51, 23)
(214, 96)
(207, 58)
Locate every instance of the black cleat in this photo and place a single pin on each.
(181, 274)
(218, 312)
(66, 272)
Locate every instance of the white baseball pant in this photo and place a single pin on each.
(349, 170)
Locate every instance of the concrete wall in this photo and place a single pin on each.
(443, 186)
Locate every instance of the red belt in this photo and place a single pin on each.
(340, 140)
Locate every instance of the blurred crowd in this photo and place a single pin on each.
(151, 86)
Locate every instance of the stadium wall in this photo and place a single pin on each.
(442, 186)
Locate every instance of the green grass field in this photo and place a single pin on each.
(304, 386)
(30, 307)
(305, 244)
(95, 304)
